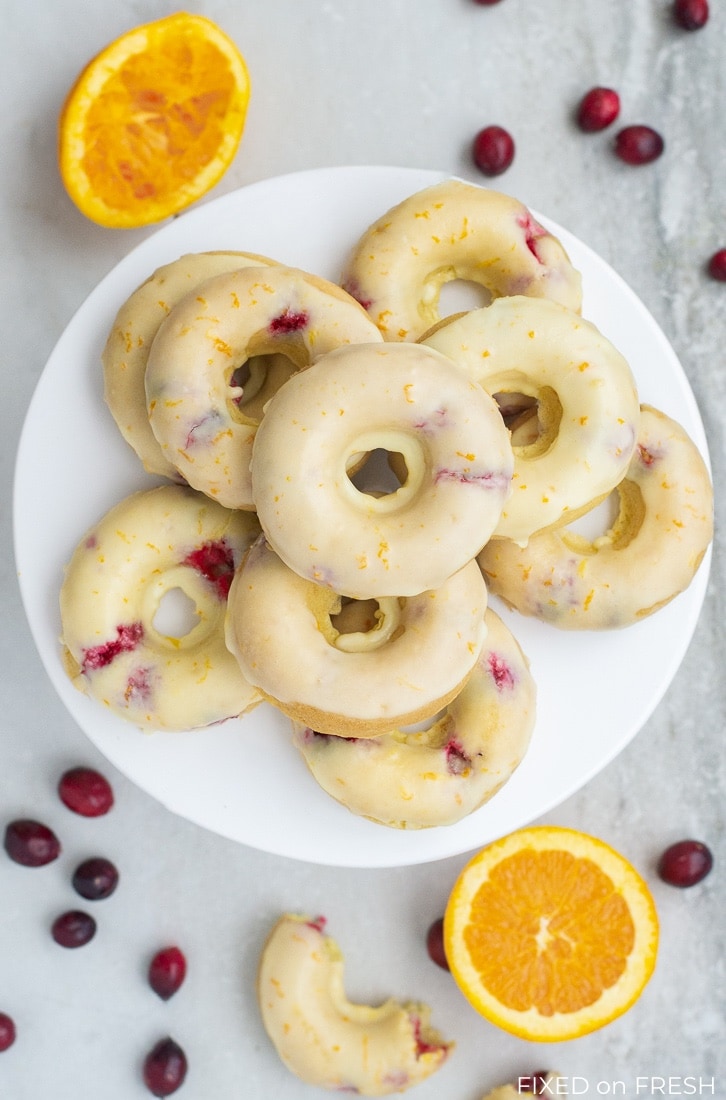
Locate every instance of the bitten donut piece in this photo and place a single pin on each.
(442, 430)
(587, 404)
(454, 230)
(438, 775)
(153, 543)
(129, 341)
(325, 1039)
(292, 642)
(649, 555)
(220, 355)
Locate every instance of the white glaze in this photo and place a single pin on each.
(587, 395)
(454, 230)
(401, 398)
(327, 1040)
(113, 587)
(648, 556)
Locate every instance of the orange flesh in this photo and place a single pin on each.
(560, 923)
(148, 131)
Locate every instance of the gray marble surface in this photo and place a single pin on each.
(392, 82)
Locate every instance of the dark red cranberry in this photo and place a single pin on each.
(167, 971)
(493, 150)
(690, 14)
(486, 3)
(534, 1084)
(31, 843)
(73, 929)
(598, 108)
(7, 1031)
(717, 265)
(86, 792)
(95, 879)
(638, 144)
(685, 863)
(165, 1068)
(435, 944)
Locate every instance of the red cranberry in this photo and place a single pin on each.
(73, 929)
(638, 144)
(435, 944)
(685, 863)
(31, 843)
(690, 14)
(493, 150)
(535, 1084)
(165, 1068)
(86, 792)
(486, 3)
(167, 971)
(717, 265)
(7, 1031)
(598, 108)
(95, 879)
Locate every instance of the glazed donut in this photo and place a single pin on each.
(127, 347)
(649, 555)
(439, 775)
(454, 230)
(290, 643)
(586, 401)
(327, 1040)
(405, 400)
(153, 543)
(223, 351)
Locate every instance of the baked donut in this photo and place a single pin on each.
(438, 775)
(454, 230)
(220, 355)
(404, 400)
(649, 555)
(586, 398)
(152, 543)
(290, 642)
(327, 1040)
(127, 347)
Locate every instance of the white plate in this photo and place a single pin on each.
(243, 779)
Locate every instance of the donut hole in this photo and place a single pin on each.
(177, 614)
(378, 472)
(533, 421)
(257, 380)
(357, 626)
(613, 522)
(457, 295)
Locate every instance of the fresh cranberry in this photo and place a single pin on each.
(7, 1031)
(167, 971)
(95, 879)
(717, 265)
(435, 944)
(534, 1084)
(31, 843)
(86, 792)
(638, 144)
(598, 108)
(165, 1068)
(493, 150)
(685, 863)
(486, 3)
(73, 929)
(690, 14)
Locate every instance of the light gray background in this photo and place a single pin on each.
(399, 82)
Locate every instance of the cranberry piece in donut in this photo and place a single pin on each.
(598, 109)
(717, 265)
(691, 15)
(638, 144)
(493, 150)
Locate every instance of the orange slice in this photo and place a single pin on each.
(550, 933)
(153, 122)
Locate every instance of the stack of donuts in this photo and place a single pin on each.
(346, 478)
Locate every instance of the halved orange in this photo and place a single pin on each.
(550, 933)
(153, 121)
